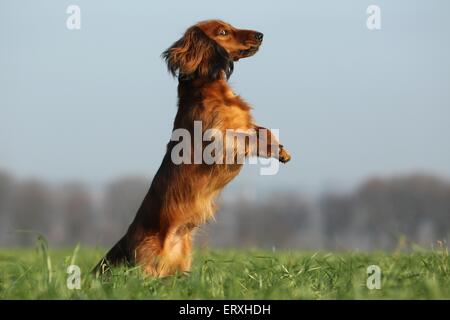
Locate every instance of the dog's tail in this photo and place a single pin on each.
(118, 255)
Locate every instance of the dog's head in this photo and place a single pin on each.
(209, 48)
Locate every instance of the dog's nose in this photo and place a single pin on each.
(259, 36)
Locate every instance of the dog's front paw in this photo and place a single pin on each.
(283, 155)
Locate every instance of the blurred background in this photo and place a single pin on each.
(85, 116)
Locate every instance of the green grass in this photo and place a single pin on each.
(232, 274)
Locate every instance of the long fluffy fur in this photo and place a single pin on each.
(182, 197)
(195, 55)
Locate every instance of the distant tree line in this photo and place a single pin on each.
(377, 215)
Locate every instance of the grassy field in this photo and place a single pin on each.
(41, 274)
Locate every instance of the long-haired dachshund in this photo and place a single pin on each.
(181, 196)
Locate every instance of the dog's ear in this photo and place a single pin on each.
(196, 55)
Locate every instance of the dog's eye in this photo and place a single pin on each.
(223, 32)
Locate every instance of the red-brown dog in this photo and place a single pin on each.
(181, 196)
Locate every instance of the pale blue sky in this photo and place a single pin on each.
(98, 103)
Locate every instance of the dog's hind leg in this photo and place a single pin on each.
(168, 256)
(186, 258)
